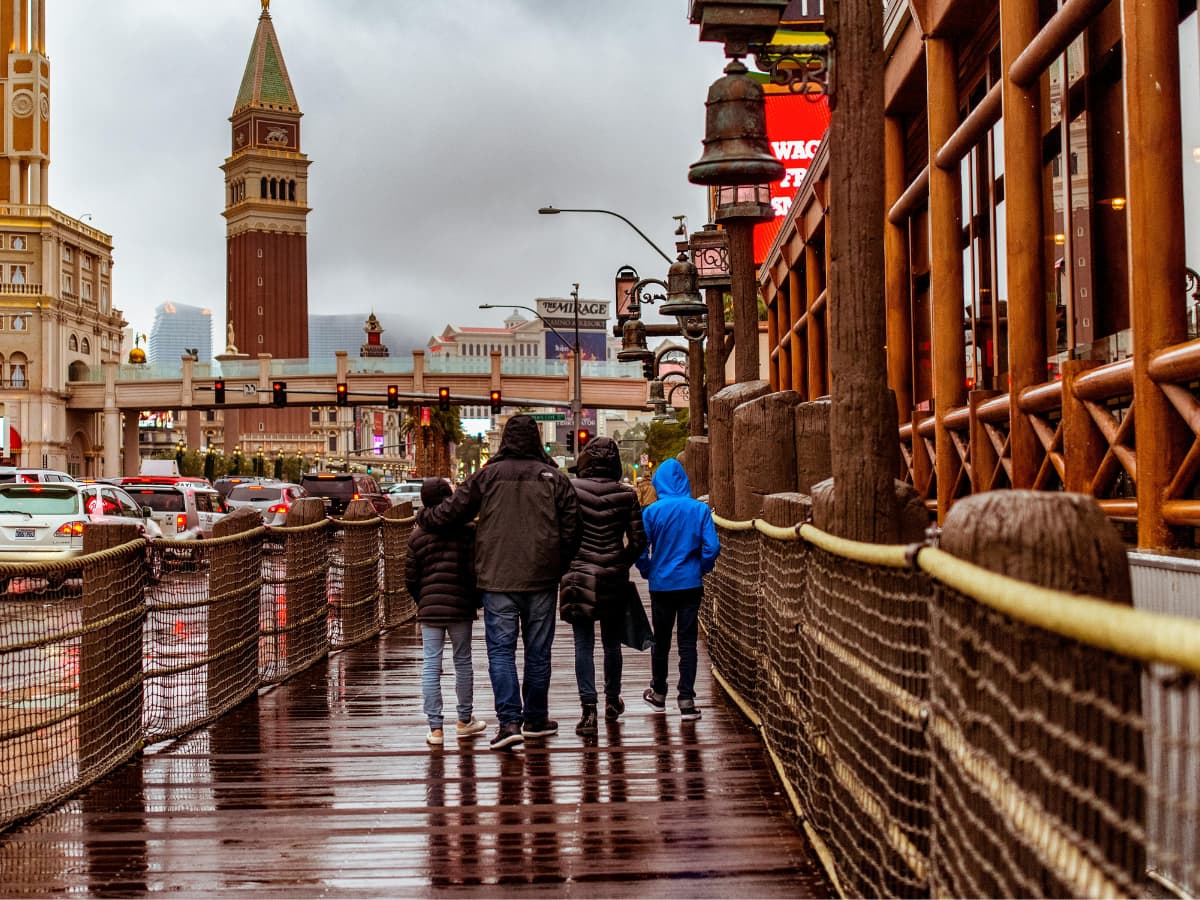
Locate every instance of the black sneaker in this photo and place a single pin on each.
(507, 734)
(688, 711)
(587, 722)
(544, 728)
(657, 702)
(613, 707)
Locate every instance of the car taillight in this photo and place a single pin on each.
(181, 522)
(278, 509)
(69, 529)
(356, 497)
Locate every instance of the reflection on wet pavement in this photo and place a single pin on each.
(325, 786)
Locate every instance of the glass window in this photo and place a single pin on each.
(18, 242)
(67, 254)
(16, 371)
(86, 287)
(73, 343)
(68, 285)
(85, 346)
(19, 323)
(17, 274)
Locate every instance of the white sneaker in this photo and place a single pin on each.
(471, 728)
(434, 738)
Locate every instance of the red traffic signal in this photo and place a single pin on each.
(219, 390)
(444, 399)
(496, 404)
(583, 438)
(279, 393)
(343, 393)
(393, 396)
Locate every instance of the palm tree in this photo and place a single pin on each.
(433, 442)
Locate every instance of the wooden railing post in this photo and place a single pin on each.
(398, 606)
(984, 457)
(360, 573)
(235, 581)
(307, 597)
(1083, 444)
(720, 431)
(764, 448)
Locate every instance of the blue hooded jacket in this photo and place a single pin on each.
(681, 540)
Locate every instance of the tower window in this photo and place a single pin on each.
(292, 190)
(262, 189)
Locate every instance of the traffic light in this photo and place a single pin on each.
(279, 393)
(648, 369)
(546, 447)
(393, 394)
(343, 394)
(444, 399)
(584, 437)
(570, 441)
(496, 404)
(219, 390)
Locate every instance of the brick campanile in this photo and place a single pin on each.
(266, 212)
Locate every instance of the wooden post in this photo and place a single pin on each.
(813, 461)
(360, 573)
(764, 448)
(864, 442)
(774, 351)
(714, 348)
(1025, 233)
(1083, 444)
(1153, 149)
(697, 395)
(723, 462)
(795, 339)
(896, 275)
(984, 457)
(945, 251)
(814, 264)
(307, 596)
(699, 457)
(235, 576)
(744, 287)
(783, 333)
(110, 655)
(398, 606)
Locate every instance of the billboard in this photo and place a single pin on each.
(796, 123)
(592, 346)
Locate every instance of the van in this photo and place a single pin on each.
(184, 511)
(338, 489)
(159, 467)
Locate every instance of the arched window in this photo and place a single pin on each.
(18, 367)
(77, 371)
(73, 344)
(262, 188)
(274, 188)
(85, 346)
(292, 190)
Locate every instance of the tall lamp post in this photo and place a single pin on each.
(552, 211)
(577, 393)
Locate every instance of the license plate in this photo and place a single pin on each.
(25, 534)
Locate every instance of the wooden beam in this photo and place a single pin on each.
(896, 276)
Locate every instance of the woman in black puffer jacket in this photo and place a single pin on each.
(597, 583)
(440, 574)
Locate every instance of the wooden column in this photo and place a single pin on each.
(235, 583)
(360, 608)
(1025, 236)
(307, 566)
(1083, 444)
(896, 276)
(714, 356)
(945, 252)
(795, 338)
(774, 351)
(814, 264)
(745, 300)
(783, 330)
(1153, 149)
(697, 397)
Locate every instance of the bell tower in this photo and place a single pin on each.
(25, 94)
(266, 214)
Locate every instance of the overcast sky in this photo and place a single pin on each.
(435, 131)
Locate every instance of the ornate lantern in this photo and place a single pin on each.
(683, 297)
(736, 150)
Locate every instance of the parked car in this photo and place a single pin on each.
(11, 474)
(184, 511)
(337, 489)
(41, 523)
(224, 485)
(271, 500)
(112, 504)
(400, 491)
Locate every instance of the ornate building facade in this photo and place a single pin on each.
(57, 321)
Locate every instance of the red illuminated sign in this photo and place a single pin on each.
(795, 127)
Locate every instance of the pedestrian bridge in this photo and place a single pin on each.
(312, 382)
(918, 725)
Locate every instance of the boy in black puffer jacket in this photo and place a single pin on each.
(597, 584)
(440, 574)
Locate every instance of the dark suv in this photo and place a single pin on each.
(337, 489)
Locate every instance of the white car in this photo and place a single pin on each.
(185, 511)
(41, 523)
(111, 504)
(271, 500)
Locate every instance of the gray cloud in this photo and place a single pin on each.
(435, 131)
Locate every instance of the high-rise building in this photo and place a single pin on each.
(57, 321)
(179, 330)
(266, 212)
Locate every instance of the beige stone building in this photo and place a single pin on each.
(57, 319)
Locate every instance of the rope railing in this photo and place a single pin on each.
(104, 654)
(945, 730)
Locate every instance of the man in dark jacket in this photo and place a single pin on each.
(681, 548)
(526, 536)
(597, 584)
(439, 572)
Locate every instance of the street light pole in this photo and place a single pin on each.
(553, 211)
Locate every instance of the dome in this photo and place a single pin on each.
(137, 356)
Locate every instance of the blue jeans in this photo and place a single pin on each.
(433, 638)
(531, 613)
(585, 657)
(667, 607)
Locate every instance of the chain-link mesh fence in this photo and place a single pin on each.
(941, 740)
(135, 644)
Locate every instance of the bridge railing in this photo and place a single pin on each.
(943, 730)
(118, 649)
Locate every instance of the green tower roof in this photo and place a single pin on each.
(265, 82)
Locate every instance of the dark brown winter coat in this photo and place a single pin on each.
(440, 569)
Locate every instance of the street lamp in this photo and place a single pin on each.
(552, 211)
(577, 394)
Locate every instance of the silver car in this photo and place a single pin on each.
(271, 499)
(41, 523)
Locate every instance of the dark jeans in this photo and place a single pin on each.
(666, 609)
(585, 654)
(531, 613)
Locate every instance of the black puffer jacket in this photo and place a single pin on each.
(440, 569)
(612, 538)
(528, 528)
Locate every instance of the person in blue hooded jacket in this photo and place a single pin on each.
(681, 548)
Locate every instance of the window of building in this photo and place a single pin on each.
(104, 299)
(19, 323)
(103, 267)
(85, 346)
(73, 343)
(315, 415)
(68, 284)
(18, 242)
(85, 261)
(17, 368)
(68, 254)
(86, 288)
(331, 415)
(333, 443)
(16, 274)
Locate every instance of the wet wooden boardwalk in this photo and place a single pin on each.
(325, 787)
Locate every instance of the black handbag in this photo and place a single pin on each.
(635, 626)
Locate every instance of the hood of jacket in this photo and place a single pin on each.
(601, 458)
(434, 491)
(671, 480)
(521, 439)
